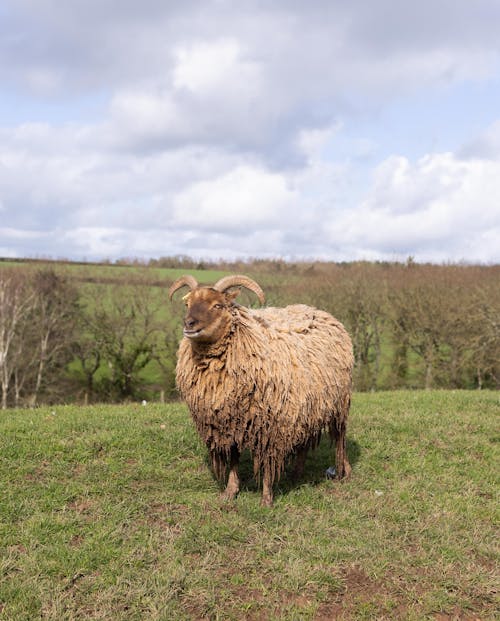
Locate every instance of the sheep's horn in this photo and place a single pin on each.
(183, 281)
(240, 281)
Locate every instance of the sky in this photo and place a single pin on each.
(321, 130)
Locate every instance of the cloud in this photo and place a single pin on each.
(288, 53)
(206, 203)
(440, 208)
(223, 132)
(203, 68)
(485, 146)
(242, 200)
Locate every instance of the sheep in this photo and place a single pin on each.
(269, 380)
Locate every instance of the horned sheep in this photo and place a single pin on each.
(269, 380)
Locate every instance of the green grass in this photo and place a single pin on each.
(118, 272)
(110, 512)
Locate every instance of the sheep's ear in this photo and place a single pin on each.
(232, 295)
(186, 297)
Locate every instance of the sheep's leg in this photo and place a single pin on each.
(342, 464)
(300, 462)
(233, 481)
(267, 488)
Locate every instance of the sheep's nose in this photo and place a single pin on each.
(189, 322)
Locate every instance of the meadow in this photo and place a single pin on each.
(111, 512)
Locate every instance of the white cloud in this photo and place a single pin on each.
(206, 67)
(212, 204)
(312, 141)
(223, 132)
(8, 232)
(437, 209)
(145, 112)
(95, 241)
(241, 200)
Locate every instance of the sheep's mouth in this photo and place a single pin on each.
(192, 334)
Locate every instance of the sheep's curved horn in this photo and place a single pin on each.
(240, 281)
(183, 281)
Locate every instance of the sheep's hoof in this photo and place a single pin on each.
(266, 501)
(229, 494)
(345, 473)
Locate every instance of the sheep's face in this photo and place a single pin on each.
(208, 315)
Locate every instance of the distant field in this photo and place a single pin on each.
(110, 512)
(111, 272)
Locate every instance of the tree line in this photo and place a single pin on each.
(413, 326)
(65, 339)
(62, 340)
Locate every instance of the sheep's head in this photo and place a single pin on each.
(208, 314)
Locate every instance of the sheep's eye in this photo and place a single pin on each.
(217, 306)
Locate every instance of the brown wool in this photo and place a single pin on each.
(272, 383)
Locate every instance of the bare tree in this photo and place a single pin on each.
(16, 303)
(88, 353)
(123, 321)
(360, 301)
(428, 318)
(484, 335)
(56, 312)
(166, 353)
(43, 342)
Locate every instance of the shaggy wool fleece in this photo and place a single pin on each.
(277, 380)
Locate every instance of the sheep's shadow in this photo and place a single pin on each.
(317, 463)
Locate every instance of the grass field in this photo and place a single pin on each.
(107, 272)
(110, 512)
